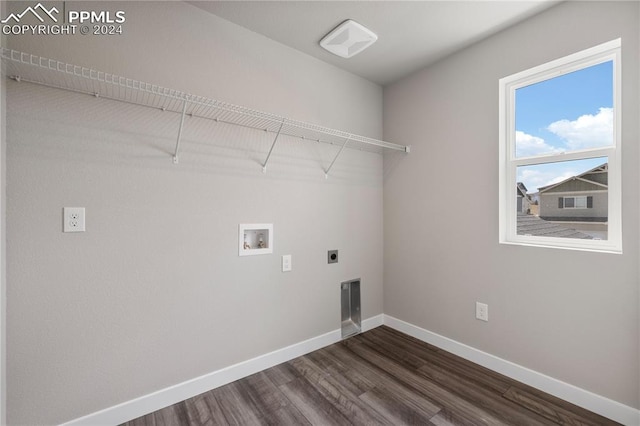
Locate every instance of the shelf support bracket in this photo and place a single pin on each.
(264, 166)
(184, 111)
(326, 172)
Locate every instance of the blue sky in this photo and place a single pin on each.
(566, 113)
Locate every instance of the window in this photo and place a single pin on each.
(560, 175)
(582, 202)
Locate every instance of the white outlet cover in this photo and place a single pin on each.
(286, 263)
(482, 311)
(73, 219)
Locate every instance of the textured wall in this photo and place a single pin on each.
(568, 314)
(154, 292)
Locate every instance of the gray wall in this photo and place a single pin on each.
(154, 292)
(574, 317)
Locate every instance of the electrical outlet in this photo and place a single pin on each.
(286, 263)
(482, 311)
(73, 219)
(332, 256)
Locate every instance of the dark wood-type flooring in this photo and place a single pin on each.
(381, 377)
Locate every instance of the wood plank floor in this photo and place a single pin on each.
(381, 377)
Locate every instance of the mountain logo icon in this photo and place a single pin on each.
(34, 11)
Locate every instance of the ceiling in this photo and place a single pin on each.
(411, 34)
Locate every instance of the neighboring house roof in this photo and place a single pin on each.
(533, 225)
(594, 179)
(521, 190)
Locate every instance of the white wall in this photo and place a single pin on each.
(154, 292)
(567, 314)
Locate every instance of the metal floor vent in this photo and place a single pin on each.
(350, 307)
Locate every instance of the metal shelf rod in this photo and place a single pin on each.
(184, 111)
(264, 166)
(326, 172)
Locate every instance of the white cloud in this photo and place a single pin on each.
(535, 177)
(559, 178)
(587, 131)
(528, 145)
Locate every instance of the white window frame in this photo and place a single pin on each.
(508, 162)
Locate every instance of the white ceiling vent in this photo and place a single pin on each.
(348, 39)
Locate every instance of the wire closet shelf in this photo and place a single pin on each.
(25, 67)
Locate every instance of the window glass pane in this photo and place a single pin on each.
(568, 199)
(567, 113)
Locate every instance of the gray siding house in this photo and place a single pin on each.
(523, 199)
(582, 198)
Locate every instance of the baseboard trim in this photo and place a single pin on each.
(165, 397)
(598, 404)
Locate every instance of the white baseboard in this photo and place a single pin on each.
(165, 397)
(598, 404)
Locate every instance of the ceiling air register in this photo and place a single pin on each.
(348, 39)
